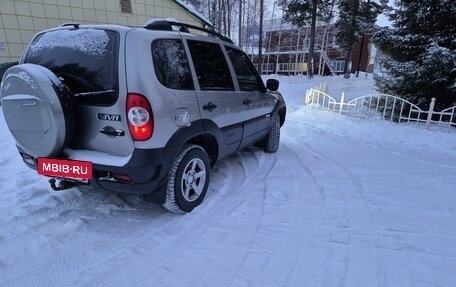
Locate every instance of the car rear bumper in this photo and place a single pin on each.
(145, 173)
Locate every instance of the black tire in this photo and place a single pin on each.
(38, 110)
(273, 138)
(186, 179)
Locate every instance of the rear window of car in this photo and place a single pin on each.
(171, 65)
(86, 60)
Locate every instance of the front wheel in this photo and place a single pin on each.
(273, 139)
(188, 179)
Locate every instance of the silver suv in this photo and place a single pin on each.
(145, 110)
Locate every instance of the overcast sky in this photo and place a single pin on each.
(383, 21)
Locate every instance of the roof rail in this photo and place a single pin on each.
(165, 25)
(75, 25)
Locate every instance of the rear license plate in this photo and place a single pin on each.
(62, 168)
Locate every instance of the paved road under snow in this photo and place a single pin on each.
(343, 202)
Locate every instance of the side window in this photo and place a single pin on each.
(210, 66)
(246, 73)
(171, 65)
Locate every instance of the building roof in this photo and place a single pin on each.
(193, 11)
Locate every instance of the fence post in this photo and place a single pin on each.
(430, 112)
(341, 105)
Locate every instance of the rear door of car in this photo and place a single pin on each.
(89, 62)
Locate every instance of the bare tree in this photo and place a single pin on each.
(303, 12)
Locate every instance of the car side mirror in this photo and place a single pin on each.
(272, 85)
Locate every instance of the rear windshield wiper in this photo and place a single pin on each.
(90, 94)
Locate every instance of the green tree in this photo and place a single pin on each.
(303, 12)
(422, 48)
(356, 19)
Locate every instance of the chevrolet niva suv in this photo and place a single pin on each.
(145, 110)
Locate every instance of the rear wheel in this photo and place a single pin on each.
(188, 179)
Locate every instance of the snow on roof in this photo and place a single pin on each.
(151, 21)
(192, 10)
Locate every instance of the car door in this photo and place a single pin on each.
(257, 103)
(220, 106)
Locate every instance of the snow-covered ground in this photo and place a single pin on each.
(344, 202)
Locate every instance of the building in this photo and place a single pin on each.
(21, 19)
(286, 48)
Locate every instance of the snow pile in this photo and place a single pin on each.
(192, 10)
(381, 132)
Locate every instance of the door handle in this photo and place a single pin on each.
(112, 132)
(209, 107)
(247, 102)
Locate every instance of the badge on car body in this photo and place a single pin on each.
(108, 117)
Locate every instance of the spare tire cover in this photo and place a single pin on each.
(37, 109)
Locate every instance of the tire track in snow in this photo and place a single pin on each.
(279, 233)
(372, 242)
(44, 219)
(70, 258)
(47, 211)
(346, 192)
(220, 208)
(321, 181)
(355, 200)
(22, 204)
(139, 237)
(209, 214)
(239, 175)
(254, 202)
(342, 173)
(274, 202)
(361, 248)
(304, 205)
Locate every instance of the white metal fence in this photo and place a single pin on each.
(353, 86)
(382, 106)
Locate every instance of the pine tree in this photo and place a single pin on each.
(356, 19)
(422, 48)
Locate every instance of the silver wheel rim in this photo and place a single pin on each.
(193, 179)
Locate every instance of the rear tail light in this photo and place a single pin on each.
(140, 118)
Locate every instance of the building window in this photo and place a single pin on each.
(125, 6)
(334, 42)
(306, 43)
(339, 65)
